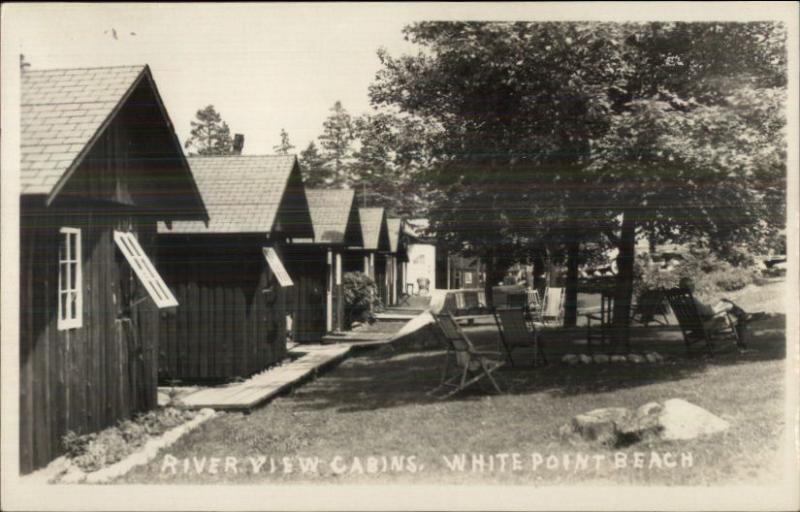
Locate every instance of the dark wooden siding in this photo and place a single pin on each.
(231, 321)
(308, 267)
(88, 378)
(380, 277)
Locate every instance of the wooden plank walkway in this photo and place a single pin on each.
(260, 388)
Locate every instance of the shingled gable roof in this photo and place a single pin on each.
(65, 111)
(374, 229)
(244, 194)
(335, 217)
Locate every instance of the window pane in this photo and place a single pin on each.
(73, 271)
(62, 302)
(62, 277)
(73, 246)
(73, 305)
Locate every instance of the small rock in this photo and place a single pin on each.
(619, 359)
(600, 358)
(645, 423)
(653, 357)
(356, 324)
(569, 359)
(680, 419)
(635, 358)
(585, 359)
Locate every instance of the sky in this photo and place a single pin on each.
(263, 67)
(266, 67)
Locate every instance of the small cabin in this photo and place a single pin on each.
(316, 264)
(370, 258)
(100, 165)
(229, 275)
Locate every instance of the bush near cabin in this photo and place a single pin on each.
(360, 296)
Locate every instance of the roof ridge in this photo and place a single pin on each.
(242, 156)
(87, 68)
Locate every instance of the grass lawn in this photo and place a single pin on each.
(375, 405)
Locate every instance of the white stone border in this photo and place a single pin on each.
(142, 456)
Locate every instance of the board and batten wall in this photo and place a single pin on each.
(87, 378)
(231, 322)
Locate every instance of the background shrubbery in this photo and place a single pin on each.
(711, 275)
(360, 291)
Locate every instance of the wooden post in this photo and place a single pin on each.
(329, 282)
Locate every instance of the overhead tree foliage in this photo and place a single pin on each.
(391, 152)
(285, 147)
(210, 135)
(553, 132)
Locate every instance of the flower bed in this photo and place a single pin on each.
(91, 452)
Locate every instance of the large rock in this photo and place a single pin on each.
(585, 359)
(600, 426)
(618, 359)
(680, 419)
(675, 419)
(600, 358)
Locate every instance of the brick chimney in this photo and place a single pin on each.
(238, 143)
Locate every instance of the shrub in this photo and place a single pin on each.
(710, 275)
(91, 452)
(360, 292)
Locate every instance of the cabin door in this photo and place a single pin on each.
(130, 298)
(311, 303)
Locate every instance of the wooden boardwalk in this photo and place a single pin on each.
(266, 385)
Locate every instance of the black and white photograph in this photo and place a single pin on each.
(308, 256)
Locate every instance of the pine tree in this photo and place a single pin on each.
(285, 147)
(336, 141)
(210, 135)
(315, 173)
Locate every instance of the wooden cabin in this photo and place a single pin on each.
(370, 258)
(396, 259)
(228, 275)
(100, 166)
(316, 265)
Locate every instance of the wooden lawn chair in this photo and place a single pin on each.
(514, 333)
(694, 327)
(463, 365)
(599, 330)
(650, 306)
(553, 311)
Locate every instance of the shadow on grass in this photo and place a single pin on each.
(383, 379)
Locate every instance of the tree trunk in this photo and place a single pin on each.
(571, 292)
(494, 274)
(623, 293)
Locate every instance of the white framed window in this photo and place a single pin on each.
(70, 282)
(144, 270)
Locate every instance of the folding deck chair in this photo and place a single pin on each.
(514, 333)
(533, 306)
(694, 327)
(463, 365)
(553, 310)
